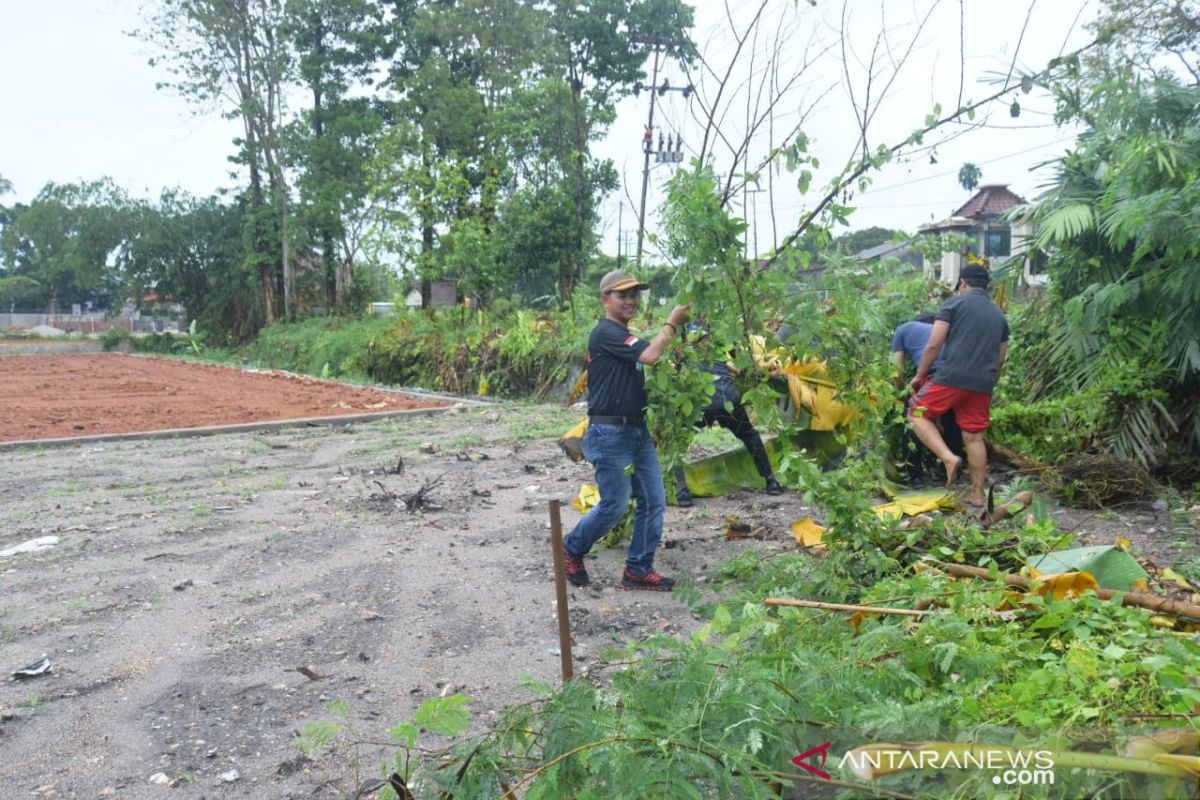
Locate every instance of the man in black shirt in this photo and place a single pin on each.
(974, 334)
(726, 409)
(617, 436)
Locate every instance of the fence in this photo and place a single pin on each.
(88, 323)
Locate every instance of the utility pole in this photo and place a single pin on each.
(620, 232)
(660, 44)
(754, 193)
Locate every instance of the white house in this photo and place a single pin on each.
(996, 240)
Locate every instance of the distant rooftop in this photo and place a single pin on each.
(992, 200)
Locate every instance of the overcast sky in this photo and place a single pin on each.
(79, 102)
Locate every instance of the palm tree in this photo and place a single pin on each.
(969, 175)
(5, 185)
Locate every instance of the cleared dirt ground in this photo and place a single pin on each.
(194, 576)
(70, 395)
(211, 595)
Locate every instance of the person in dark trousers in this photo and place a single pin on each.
(617, 437)
(971, 336)
(736, 421)
(909, 343)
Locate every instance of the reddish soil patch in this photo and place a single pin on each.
(58, 396)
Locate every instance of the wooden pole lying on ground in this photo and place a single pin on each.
(1140, 599)
(779, 601)
(560, 591)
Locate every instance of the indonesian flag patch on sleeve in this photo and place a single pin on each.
(631, 341)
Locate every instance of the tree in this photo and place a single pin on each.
(338, 44)
(1123, 265)
(232, 53)
(67, 240)
(455, 68)
(595, 57)
(968, 176)
(193, 250)
(17, 289)
(857, 241)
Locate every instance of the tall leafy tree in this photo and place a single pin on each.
(454, 68)
(232, 53)
(192, 250)
(67, 240)
(337, 44)
(596, 57)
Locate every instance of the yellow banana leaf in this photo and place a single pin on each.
(810, 389)
(808, 533)
(1065, 585)
(1169, 574)
(1151, 744)
(572, 441)
(734, 469)
(579, 388)
(808, 385)
(909, 504)
(1112, 567)
(589, 495)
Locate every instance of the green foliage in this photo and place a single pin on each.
(1120, 326)
(325, 346)
(60, 245)
(721, 715)
(115, 337)
(513, 354)
(18, 289)
(969, 175)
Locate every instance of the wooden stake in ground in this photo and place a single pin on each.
(560, 590)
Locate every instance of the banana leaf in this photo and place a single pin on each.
(732, 470)
(1112, 567)
(909, 504)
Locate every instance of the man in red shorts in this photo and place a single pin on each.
(971, 335)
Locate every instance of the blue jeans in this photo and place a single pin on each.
(612, 449)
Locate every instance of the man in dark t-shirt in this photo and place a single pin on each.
(971, 335)
(617, 437)
(725, 408)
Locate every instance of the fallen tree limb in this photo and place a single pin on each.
(998, 452)
(780, 601)
(1152, 602)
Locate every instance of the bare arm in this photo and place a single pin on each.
(933, 349)
(658, 344)
(898, 356)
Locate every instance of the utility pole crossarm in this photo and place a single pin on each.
(670, 154)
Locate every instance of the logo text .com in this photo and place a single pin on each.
(1012, 767)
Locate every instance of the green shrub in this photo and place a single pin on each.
(115, 337)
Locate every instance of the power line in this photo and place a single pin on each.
(955, 171)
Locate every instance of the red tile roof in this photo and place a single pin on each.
(992, 199)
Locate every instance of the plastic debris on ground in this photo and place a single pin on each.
(31, 546)
(36, 669)
(588, 497)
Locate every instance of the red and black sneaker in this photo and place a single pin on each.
(576, 571)
(651, 581)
